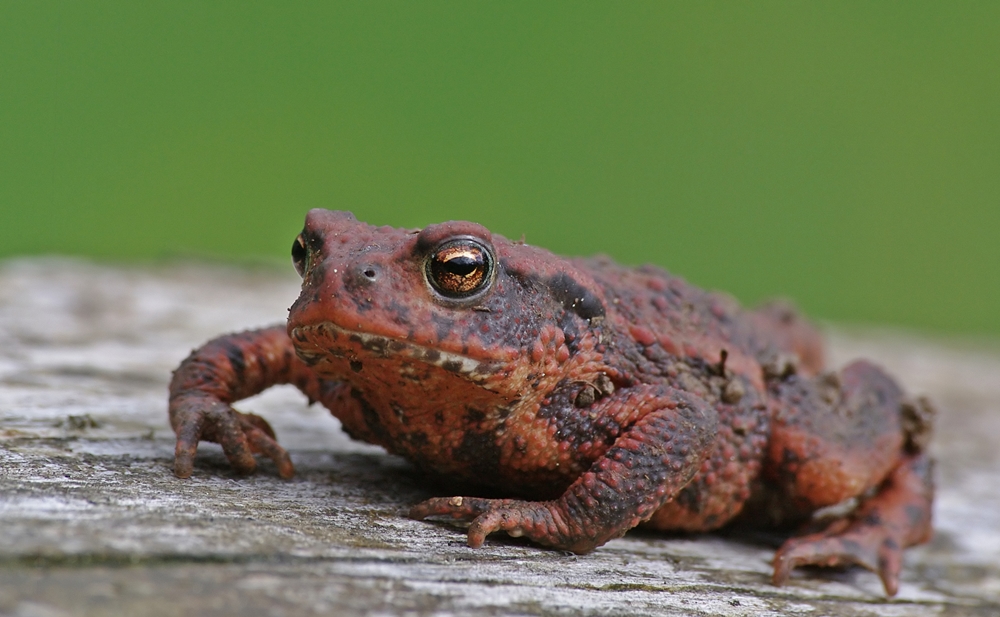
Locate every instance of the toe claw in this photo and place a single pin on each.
(418, 512)
(782, 570)
(188, 435)
(183, 464)
(484, 525)
(890, 564)
(262, 442)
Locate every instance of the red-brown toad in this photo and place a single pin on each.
(597, 397)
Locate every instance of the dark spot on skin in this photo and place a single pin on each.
(442, 326)
(569, 325)
(356, 366)
(474, 415)
(316, 272)
(688, 498)
(372, 421)
(432, 355)
(236, 360)
(400, 312)
(377, 346)
(417, 439)
(361, 303)
(575, 297)
(452, 366)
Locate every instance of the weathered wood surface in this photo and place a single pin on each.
(92, 522)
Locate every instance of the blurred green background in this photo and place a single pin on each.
(843, 154)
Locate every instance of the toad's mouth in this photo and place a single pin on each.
(315, 342)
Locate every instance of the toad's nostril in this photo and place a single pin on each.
(363, 274)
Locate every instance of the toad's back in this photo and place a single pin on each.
(669, 318)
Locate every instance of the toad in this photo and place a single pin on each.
(591, 397)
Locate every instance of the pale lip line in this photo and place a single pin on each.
(386, 346)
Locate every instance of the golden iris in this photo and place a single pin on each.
(459, 268)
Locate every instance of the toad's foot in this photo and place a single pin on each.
(228, 369)
(538, 521)
(241, 435)
(898, 516)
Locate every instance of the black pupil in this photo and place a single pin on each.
(463, 265)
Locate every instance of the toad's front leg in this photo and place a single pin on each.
(228, 369)
(645, 468)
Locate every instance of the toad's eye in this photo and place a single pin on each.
(460, 268)
(300, 255)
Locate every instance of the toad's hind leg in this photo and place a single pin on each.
(844, 436)
(897, 516)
